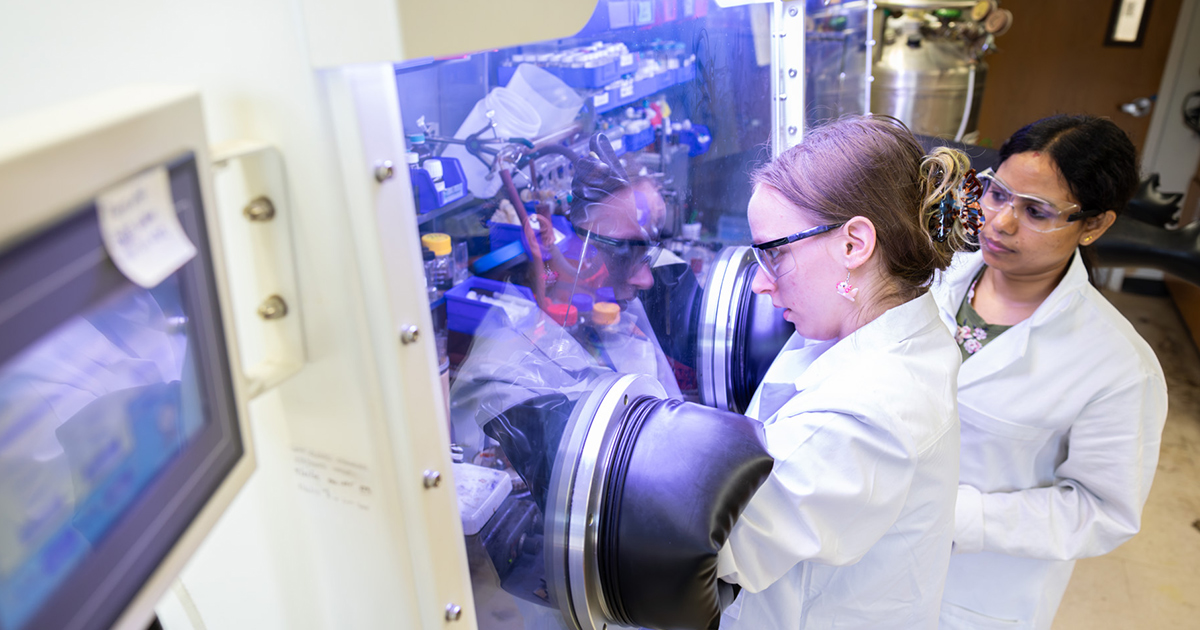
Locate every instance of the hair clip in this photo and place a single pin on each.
(942, 221)
(969, 211)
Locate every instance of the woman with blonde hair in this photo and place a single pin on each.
(853, 527)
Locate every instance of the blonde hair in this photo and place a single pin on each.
(873, 167)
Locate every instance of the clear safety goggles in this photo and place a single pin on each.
(771, 258)
(1031, 212)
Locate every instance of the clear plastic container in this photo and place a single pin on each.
(513, 116)
(461, 262)
(555, 102)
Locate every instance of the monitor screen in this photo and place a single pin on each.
(117, 416)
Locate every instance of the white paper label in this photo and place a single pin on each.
(600, 99)
(626, 91)
(450, 193)
(626, 60)
(141, 230)
(672, 63)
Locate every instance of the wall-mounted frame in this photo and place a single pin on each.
(1127, 23)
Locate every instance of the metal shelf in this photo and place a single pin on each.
(449, 208)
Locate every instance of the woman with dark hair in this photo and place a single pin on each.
(853, 527)
(1062, 404)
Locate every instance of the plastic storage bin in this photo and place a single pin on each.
(644, 87)
(584, 78)
(697, 139)
(501, 234)
(428, 197)
(640, 139)
(626, 93)
(480, 492)
(464, 314)
(607, 100)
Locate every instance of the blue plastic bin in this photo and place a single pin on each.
(607, 100)
(644, 87)
(501, 234)
(463, 314)
(666, 79)
(430, 198)
(588, 77)
(639, 140)
(697, 139)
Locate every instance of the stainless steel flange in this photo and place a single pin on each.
(576, 498)
(728, 281)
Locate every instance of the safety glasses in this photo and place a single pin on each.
(1030, 212)
(771, 259)
(622, 257)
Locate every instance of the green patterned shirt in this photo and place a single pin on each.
(973, 332)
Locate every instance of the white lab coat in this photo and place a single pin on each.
(853, 527)
(1062, 417)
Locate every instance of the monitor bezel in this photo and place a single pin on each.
(111, 577)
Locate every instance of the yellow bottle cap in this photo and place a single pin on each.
(437, 243)
(605, 313)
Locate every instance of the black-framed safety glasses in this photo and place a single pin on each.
(770, 257)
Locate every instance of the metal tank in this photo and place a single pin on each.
(929, 71)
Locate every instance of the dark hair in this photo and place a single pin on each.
(1094, 156)
(599, 176)
(873, 167)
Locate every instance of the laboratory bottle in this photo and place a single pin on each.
(583, 305)
(564, 315)
(413, 159)
(619, 343)
(433, 166)
(442, 272)
(441, 339)
(431, 292)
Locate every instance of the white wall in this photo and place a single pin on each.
(279, 559)
(1173, 150)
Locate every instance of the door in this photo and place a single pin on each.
(1054, 60)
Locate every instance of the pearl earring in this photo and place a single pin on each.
(847, 290)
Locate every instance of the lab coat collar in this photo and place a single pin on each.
(893, 327)
(1013, 343)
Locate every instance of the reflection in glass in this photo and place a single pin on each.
(90, 413)
(589, 226)
(835, 57)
